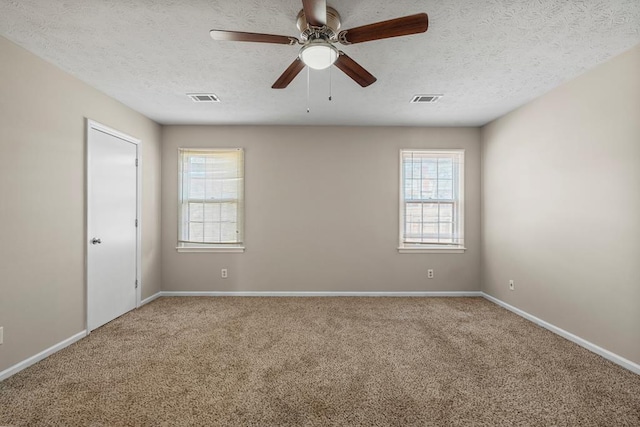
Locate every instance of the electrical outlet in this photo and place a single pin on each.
(1, 334)
(511, 285)
(430, 273)
(224, 273)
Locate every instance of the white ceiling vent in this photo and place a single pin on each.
(425, 99)
(203, 97)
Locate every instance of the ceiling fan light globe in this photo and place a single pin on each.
(318, 55)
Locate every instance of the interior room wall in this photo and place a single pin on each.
(561, 206)
(42, 188)
(321, 211)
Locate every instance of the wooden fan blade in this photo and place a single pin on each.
(315, 11)
(354, 70)
(289, 74)
(404, 26)
(238, 36)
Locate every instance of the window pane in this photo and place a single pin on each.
(414, 230)
(430, 231)
(445, 168)
(429, 189)
(445, 189)
(416, 169)
(226, 168)
(197, 167)
(196, 189)
(413, 212)
(431, 212)
(196, 212)
(416, 189)
(430, 168)
(212, 212)
(196, 232)
(214, 189)
(228, 212)
(212, 232)
(446, 230)
(408, 169)
(229, 189)
(228, 232)
(446, 212)
(407, 190)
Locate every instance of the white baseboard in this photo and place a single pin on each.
(149, 299)
(625, 363)
(321, 294)
(43, 354)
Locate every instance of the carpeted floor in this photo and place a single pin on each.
(322, 361)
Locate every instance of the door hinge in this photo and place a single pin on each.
(136, 283)
(136, 162)
(136, 222)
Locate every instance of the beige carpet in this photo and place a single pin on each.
(322, 361)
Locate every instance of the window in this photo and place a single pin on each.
(211, 200)
(431, 201)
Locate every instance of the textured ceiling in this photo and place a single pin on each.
(486, 56)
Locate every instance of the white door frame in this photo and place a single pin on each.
(91, 124)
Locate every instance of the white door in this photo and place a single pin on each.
(111, 226)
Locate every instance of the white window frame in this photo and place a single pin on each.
(210, 247)
(458, 210)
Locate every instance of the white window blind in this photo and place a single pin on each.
(431, 201)
(211, 197)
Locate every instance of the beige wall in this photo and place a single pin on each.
(321, 211)
(42, 220)
(561, 206)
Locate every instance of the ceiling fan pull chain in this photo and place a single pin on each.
(330, 83)
(308, 89)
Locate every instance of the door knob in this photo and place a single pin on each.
(95, 241)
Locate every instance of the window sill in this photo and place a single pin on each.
(212, 249)
(431, 250)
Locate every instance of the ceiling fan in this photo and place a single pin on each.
(319, 27)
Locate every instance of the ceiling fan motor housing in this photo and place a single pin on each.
(327, 32)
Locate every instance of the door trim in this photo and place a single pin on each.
(93, 125)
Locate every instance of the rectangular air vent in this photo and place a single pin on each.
(428, 99)
(203, 97)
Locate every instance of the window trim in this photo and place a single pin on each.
(193, 247)
(213, 247)
(430, 248)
